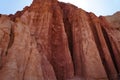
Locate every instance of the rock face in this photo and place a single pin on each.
(114, 20)
(50, 40)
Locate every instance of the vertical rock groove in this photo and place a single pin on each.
(103, 51)
(109, 32)
(11, 37)
(68, 30)
(99, 47)
(110, 48)
(61, 58)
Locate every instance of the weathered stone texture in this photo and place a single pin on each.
(51, 40)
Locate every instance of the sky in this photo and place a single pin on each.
(99, 7)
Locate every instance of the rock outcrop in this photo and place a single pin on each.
(114, 20)
(51, 40)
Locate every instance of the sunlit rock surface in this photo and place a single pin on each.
(50, 40)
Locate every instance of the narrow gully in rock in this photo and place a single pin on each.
(99, 47)
(61, 57)
(110, 48)
(116, 54)
(69, 33)
(68, 30)
(11, 39)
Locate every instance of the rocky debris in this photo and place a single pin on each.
(51, 40)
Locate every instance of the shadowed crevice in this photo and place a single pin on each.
(11, 39)
(110, 48)
(99, 47)
(69, 34)
(68, 30)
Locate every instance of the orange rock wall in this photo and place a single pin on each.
(50, 40)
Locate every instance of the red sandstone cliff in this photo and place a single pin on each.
(114, 20)
(50, 40)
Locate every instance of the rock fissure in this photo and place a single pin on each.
(68, 30)
(110, 48)
(99, 47)
(11, 41)
(11, 38)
